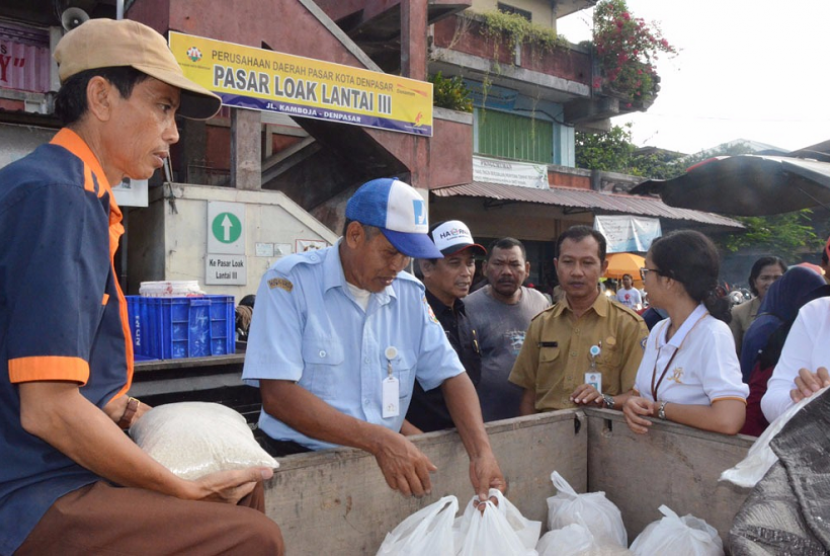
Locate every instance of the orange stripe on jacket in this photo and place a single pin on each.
(72, 142)
(48, 367)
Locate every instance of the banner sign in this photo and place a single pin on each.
(522, 174)
(247, 77)
(627, 234)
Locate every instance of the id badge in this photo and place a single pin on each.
(391, 397)
(595, 380)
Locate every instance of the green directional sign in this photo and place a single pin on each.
(226, 227)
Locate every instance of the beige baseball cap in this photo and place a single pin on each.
(103, 43)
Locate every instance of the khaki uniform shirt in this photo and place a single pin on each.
(555, 355)
(742, 317)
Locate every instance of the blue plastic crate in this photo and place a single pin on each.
(177, 327)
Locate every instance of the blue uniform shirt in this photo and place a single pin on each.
(308, 328)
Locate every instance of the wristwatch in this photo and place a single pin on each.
(129, 413)
(609, 401)
(661, 412)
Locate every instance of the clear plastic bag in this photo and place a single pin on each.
(493, 533)
(760, 457)
(678, 536)
(427, 531)
(601, 516)
(193, 439)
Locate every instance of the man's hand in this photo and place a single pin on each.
(486, 474)
(636, 409)
(404, 466)
(586, 394)
(229, 486)
(808, 383)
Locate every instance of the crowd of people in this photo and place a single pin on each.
(346, 347)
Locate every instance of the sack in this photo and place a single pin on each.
(193, 439)
(427, 531)
(760, 457)
(492, 533)
(678, 536)
(593, 510)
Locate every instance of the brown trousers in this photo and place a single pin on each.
(102, 519)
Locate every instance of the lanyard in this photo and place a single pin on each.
(656, 387)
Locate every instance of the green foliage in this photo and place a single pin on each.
(627, 48)
(781, 234)
(609, 152)
(517, 30)
(451, 93)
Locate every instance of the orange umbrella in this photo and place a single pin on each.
(625, 263)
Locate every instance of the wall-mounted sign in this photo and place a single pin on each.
(507, 172)
(247, 77)
(626, 234)
(303, 245)
(131, 193)
(225, 228)
(227, 270)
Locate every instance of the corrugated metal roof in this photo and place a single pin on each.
(585, 199)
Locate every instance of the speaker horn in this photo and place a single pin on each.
(73, 17)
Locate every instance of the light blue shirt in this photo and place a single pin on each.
(308, 328)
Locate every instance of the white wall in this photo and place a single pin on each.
(178, 239)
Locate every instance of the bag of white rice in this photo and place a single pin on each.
(193, 439)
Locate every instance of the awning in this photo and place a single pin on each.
(579, 200)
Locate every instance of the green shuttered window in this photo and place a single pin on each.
(512, 136)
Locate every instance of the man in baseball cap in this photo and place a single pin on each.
(447, 281)
(71, 480)
(340, 335)
(398, 211)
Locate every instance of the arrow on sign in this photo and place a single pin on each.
(227, 225)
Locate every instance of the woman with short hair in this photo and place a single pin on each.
(690, 372)
(765, 271)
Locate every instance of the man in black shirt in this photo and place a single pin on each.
(447, 280)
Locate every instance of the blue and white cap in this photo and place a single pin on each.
(400, 213)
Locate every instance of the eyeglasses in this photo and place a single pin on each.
(644, 271)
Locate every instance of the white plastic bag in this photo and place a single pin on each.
(760, 457)
(527, 530)
(427, 531)
(576, 540)
(493, 533)
(678, 536)
(571, 540)
(193, 439)
(601, 516)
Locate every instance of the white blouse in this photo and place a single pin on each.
(698, 365)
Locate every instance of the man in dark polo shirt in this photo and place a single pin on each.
(71, 481)
(447, 280)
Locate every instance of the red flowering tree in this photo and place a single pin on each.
(627, 48)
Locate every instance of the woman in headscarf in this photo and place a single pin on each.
(765, 338)
(781, 304)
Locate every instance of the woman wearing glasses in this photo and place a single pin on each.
(690, 372)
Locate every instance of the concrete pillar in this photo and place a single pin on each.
(246, 149)
(414, 66)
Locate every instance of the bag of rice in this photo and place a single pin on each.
(193, 439)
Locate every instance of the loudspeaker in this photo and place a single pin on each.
(72, 17)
